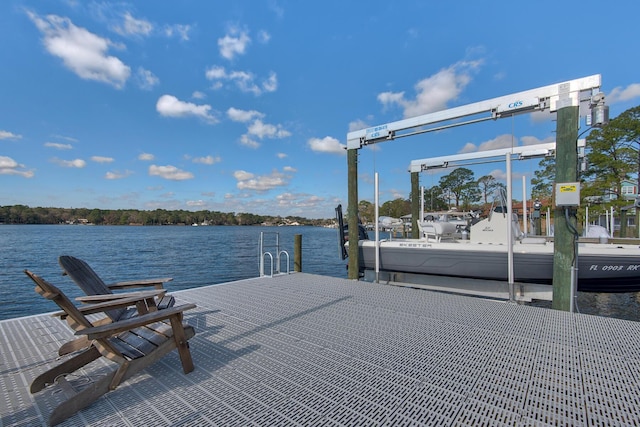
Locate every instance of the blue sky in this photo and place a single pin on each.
(245, 106)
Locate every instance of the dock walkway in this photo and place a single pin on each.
(303, 349)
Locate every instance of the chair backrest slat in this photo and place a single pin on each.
(88, 280)
(54, 294)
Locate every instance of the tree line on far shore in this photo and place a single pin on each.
(21, 214)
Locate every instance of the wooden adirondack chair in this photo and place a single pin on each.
(98, 291)
(133, 344)
(91, 284)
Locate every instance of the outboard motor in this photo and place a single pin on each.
(343, 232)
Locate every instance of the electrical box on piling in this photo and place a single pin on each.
(568, 194)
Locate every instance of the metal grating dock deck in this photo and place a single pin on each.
(302, 349)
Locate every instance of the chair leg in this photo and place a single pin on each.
(93, 391)
(182, 344)
(68, 366)
(80, 400)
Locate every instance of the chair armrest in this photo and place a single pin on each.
(110, 329)
(157, 283)
(104, 306)
(101, 307)
(110, 297)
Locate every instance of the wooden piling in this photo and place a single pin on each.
(297, 253)
(564, 239)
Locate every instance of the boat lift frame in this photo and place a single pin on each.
(583, 93)
(579, 92)
(521, 152)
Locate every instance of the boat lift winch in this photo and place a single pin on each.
(583, 93)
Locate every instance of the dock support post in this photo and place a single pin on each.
(623, 222)
(352, 213)
(415, 204)
(564, 240)
(297, 253)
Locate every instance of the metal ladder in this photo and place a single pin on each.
(274, 246)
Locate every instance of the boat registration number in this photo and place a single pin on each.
(632, 267)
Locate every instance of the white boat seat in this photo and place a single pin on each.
(437, 230)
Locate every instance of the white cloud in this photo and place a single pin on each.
(208, 160)
(7, 162)
(257, 129)
(234, 43)
(299, 200)
(620, 94)
(260, 184)
(501, 141)
(196, 203)
(58, 146)
(281, 155)
(327, 144)
(532, 140)
(169, 172)
(289, 169)
(469, 147)
(501, 175)
(271, 83)
(241, 175)
(146, 157)
(133, 26)
(67, 138)
(244, 80)
(542, 116)
(170, 106)
(81, 51)
(181, 31)
(8, 135)
(264, 37)
(266, 130)
(504, 141)
(117, 175)
(146, 79)
(100, 159)
(8, 166)
(248, 141)
(432, 93)
(357, 125)
(76, 163)
(198, 95)
(238, 115)
(216, 72)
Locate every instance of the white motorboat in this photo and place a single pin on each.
(441, 251)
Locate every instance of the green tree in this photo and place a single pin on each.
(95, 217)
(544, 178)
(487, 184)
(396, 208)
(462, 186)
(611, 156)
(434, 199)
(628, 123)
(366, 210)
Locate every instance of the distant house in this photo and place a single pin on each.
(629, 189)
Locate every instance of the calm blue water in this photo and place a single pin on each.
(193, 256)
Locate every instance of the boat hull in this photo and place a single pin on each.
(601, 268)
